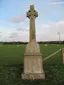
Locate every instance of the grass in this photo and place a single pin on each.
(12, 54)
(11, 65)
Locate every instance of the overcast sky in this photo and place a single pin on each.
(14, 25)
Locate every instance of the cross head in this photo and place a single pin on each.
(32, 12)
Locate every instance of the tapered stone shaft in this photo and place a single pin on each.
(32, 14)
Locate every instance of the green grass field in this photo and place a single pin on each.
(13, 54)
(11, 60)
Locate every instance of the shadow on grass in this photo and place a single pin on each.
(11, 75)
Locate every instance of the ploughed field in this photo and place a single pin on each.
(11, 65)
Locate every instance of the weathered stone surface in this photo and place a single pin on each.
(32, 48)
(62, 51)
(33, 76)
(33, 66)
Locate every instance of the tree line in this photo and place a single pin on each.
(40, 42)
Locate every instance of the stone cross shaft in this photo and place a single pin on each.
(32, 14)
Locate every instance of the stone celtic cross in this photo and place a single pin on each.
(32, 14)
(33, 66)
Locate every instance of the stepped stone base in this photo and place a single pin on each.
(33, 76)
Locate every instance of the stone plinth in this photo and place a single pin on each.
(33, 66)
